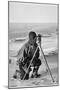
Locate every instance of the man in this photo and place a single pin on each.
(28, 52)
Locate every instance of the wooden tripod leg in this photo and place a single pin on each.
(47, 65)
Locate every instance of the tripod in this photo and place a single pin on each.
(47, 64)
(44, 59)
(39, 39)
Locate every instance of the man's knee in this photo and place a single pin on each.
(39, 62)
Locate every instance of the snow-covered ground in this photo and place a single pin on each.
(44, 80)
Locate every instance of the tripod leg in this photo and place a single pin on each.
(47, 65)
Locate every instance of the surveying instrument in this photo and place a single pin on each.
(39, 46)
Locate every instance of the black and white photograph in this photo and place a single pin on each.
(33, 38)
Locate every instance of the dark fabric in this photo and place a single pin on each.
(22, 72)
(36, 62)
(28, 54)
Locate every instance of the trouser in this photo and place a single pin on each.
(36, 64)
(22, 72)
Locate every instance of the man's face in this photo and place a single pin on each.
(31, 40)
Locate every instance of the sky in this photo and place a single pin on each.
(32, 13)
